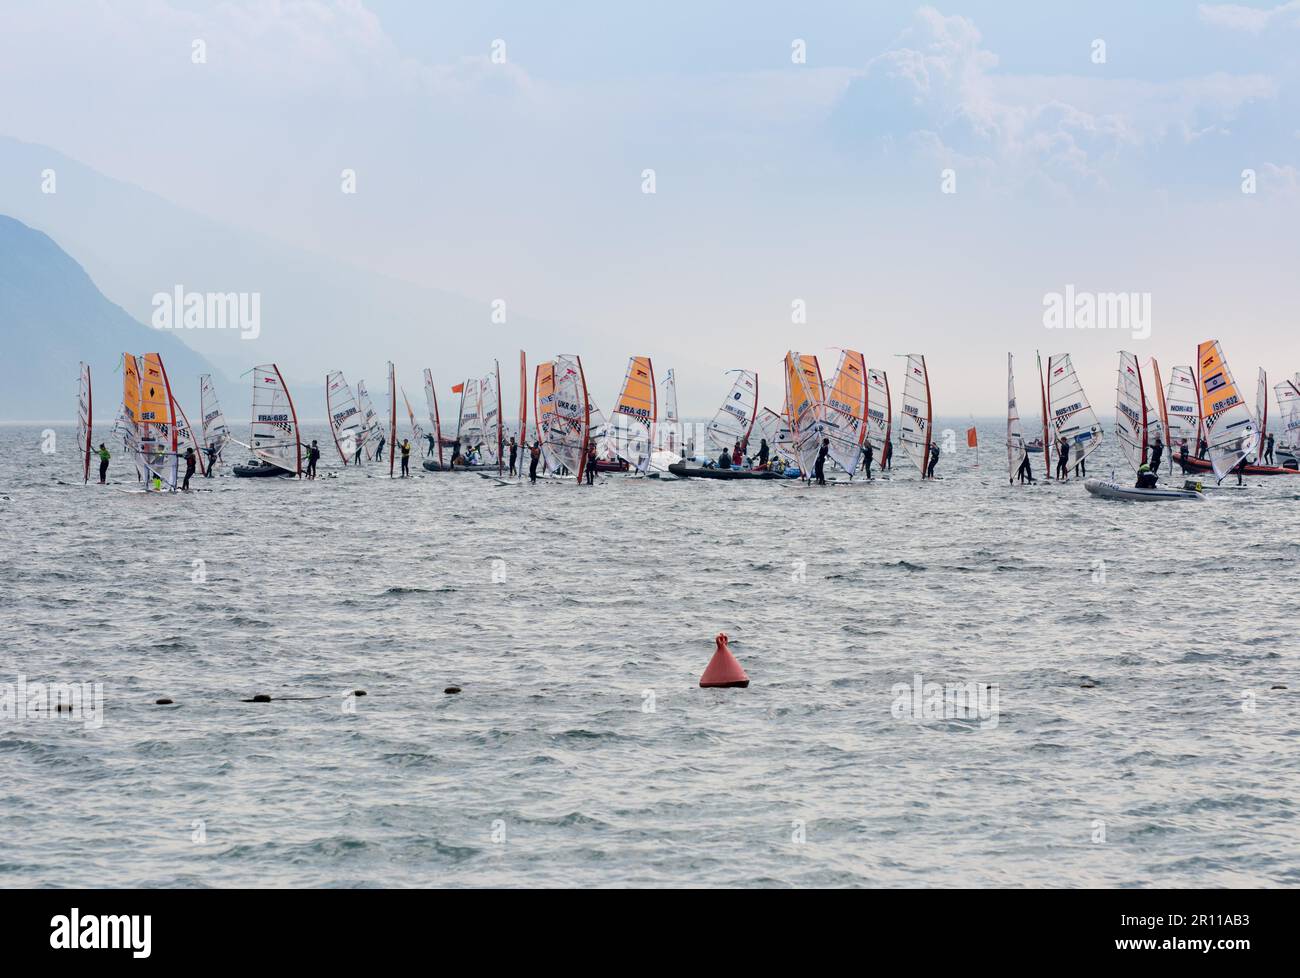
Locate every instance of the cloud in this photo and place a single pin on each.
(939, 89)
(1251, 19)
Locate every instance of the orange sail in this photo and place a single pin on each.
(635, 414)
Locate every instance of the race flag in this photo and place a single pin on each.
(458, 389)
(971, 440)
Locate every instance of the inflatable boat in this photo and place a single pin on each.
(256, 469)
(687, 471)
(431, 465)
(1199, 466)
(1114, 490)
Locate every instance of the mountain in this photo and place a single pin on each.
(52, 316)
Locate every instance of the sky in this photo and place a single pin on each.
(920, 181)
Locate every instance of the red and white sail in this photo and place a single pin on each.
(276, 439)
(916, 420)
(157, 449)
(636, 410)
(85, 422)
(1133, 413)
(345, 416)
(1230, 429)
(1288, 403)
(563, 414)
(735, 419)
(1071, 414)
(215, 432)
(880, 411)
(431, 402)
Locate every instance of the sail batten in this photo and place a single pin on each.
(216, 432)
(844, 415)
(563, 414)
(431, 402)
(1071, 413)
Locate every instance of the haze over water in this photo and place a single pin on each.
(550, 767)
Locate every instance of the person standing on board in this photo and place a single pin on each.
(313, 456)
(356, 458)
(934, 460)
(190, 459)
(1063, 459)
(887, 456)
(1240, 469)
(591, 464)
(764, 453)
(534, 456)
(433, 446)
(1268, 449)
(868, 453)
(514, 455)
(1157, 453)
(819, 468)
(1026, 471)
(379, 452)
(1202, 448)
(406, 457)
(211, 453)
(1182, 454)
(104, 456)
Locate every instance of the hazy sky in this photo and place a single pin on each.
(776, 181)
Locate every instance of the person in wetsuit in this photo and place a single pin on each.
(1157, 453)
(1063, 459)
(1240, 469)
(514, 455)
(868, 453)
(534, 456)
(356, 459)
(1146, 477)
(887, 456)
(934, 460)
(819, 469)
(1268, 449)
(379, 452)
(433, 446)
(737, 456)
(1026, 471)
(211, 452)
(764, 453)
(1202, 448)
(591, 464)
(724, 459)
(190, 459)
(1182, 454)
(406, 457)
(313, 456)
(104, 456)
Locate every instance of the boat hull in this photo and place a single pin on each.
(1200, 466)
(432, 466)
(684, 471)
(259, 471)
(1113, 490)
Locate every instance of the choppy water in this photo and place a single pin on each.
(550, 768)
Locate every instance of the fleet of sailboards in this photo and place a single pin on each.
(1199, 420)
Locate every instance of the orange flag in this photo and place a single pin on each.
(458, 389)
(971, 440)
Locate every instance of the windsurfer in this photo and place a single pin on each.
(190, 459)
(1182, 454)
(934, 460)
(1063, 459)
(591, 463)
(887, 456)
(819, 467)
(455, 456)
(406, 457)
(313, 456)
(868, 454)
(764, 453)
(1268, 449)
(1146, 477)
(724, 459)
(1202, 448)
(104, 455)
(356, 459)
(379, 451)
(534, 456)
(433, 446)
(737, 456)
(1026, 471)
(1157, 453)
(514, 454)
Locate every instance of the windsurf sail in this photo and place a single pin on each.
(216, 433)
(490, 399)
(1016, 450)
(417, 433)
(129, 422)
(563, 415)
(543, 390)
(469, 426)
(1230, 429)
(1288, 403)
(1072, 415)
(275, 436)
(671, 426)
(158, 437)
(431, 401)
(1132, 411)
(773, 428)
(844, 418)
(635, 412)
(186, 437)
(735, 419)
(523, 408)
(391, 398)
(880, 412)
(371, 426)
(1182, 411)
(803, 393)
(915, 421)
(1046, 439)
(84, 422)
(1261, 408)
(345, 416)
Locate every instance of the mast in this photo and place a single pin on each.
(586, 425)
(1047, 451)
(329, 409)
(889, 417)
(297, 434)
(1263, 414)
(523, 412)
(392, 417)
(1142, 397)
(87, 420)
(929, 411)
(1164, 413)
(744, 442)
(500, 420)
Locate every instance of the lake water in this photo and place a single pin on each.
(1136, 740)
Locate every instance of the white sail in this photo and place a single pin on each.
(1181, 407)
(1016, 450)
(187, 437)
(431, 402)
(563, 414)
(670, 428)
(1072, 417)
(345, 416)
(1132, 411)
(916, 420)
(390, 402)
(1288, 402)
(490, 412)
(735, 419)
(1231, 431)
(773, 428)
(469, 426)
(1261, 408)
(880, 411)
(275, 437)
(844, 414)
(216, 433)
(372, 424)
(804, 396)
(85, 422)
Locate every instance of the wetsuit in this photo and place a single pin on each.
(1202, 449)
(1182, 454)
(868, 453)
(1157, 453)
(379, 452)
(1146, 480)
(1025, 472)
(313, 456)
(591, 468)
(211, 452)
(514, 456)
(763, 455)
(887, 456)
(1063, 460)
(1081, 467)
(724, 461)
(190, 459)
(1268, 450)
(433, 446)
(104, 455)
(406, 459)
(535, 457)
(356, 459)
(819, 469)
(934, 460)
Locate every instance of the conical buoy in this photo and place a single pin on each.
(723, 671)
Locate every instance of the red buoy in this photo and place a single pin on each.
(723, 671)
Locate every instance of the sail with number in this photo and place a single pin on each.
(880, 411)
(275, 436)
(1132, 411)
(804, 393)
(735, 419)
(469, 426)
(844, 415)
(85, 422)
(1071, 414)
(1183, 415)
(1229, 426)
(916, 420)
(1261, 408)
(1288, 403)
(493, 432)
(345, 416)
(129, 420)
(635, 413)
(431, 402)
(671, 426)
(775, 430)
(158, 436)
(1016, 450)
(372, 427)
(563, 414)
(216, 433)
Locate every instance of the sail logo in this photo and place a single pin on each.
(1073, 309)
(179, 309)
(976, 702)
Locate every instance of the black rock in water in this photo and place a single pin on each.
(163, 701)
(451, 689)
